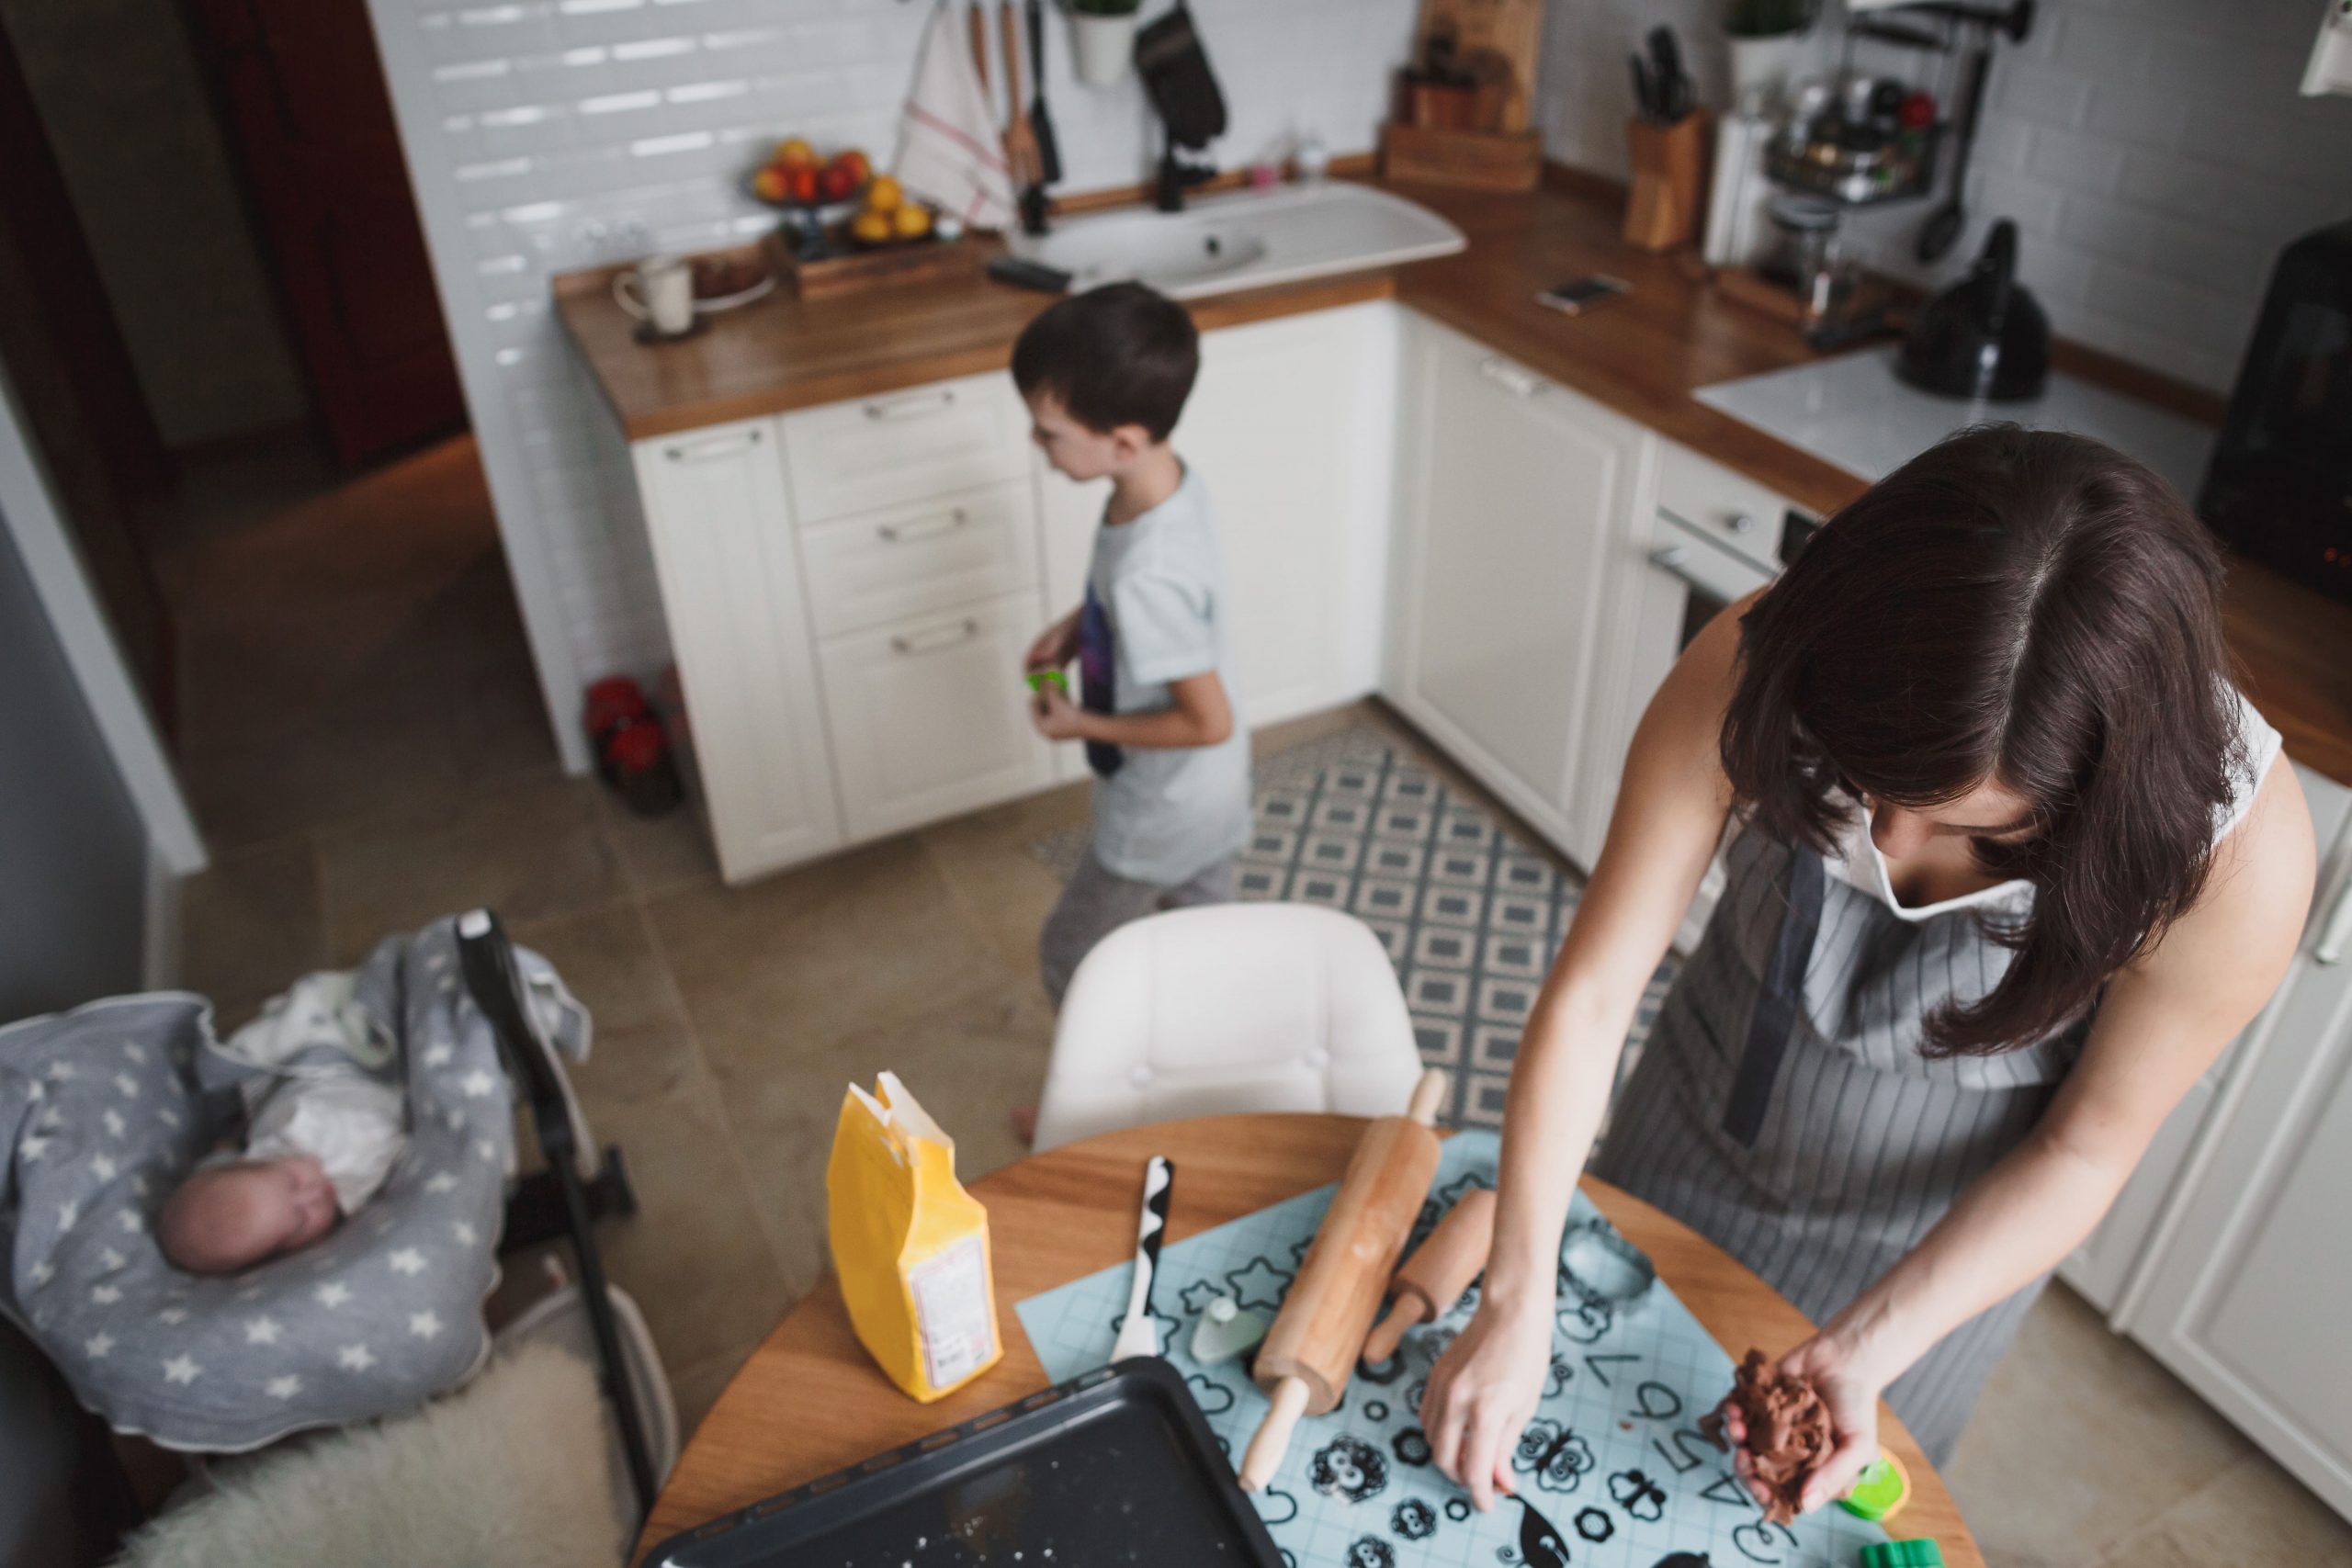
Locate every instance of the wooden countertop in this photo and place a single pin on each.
(1642, 355)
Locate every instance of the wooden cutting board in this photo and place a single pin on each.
(1510, 28)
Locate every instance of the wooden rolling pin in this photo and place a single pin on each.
(1434, 1277)
(1309, 1354)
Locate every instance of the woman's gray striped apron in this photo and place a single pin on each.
(1782, 1107)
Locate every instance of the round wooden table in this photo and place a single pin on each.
(809, 1402)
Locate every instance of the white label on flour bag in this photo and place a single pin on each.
(951, 1291)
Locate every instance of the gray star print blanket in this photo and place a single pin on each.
(105, 1108)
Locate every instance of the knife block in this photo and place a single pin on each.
(1670, 178)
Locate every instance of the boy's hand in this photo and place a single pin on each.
(1055, 647)
(1056, 717)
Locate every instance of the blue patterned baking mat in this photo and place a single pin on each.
(1613, 1470)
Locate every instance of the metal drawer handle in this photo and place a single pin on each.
(914, 405)
(1674, 560)
(707, 451)
(1510, 376)
(936, 638)
(930, 528)
(2337, 930)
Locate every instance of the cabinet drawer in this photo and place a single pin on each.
(920, 559)
(904, 447)
(930, 716)
(1728, 507)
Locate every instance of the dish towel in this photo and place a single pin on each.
(949, 152)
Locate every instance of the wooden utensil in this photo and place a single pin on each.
(1309, 1354)
(1021, 154)
(1439, 1271)
(979, 42)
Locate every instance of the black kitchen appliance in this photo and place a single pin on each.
(2280, 488)
(1984, 337)
(1181, 87)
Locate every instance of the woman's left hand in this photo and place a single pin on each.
(1850, 1392)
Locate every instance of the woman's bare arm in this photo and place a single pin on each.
(1671, 805)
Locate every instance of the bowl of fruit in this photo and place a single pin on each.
(797, 179)
(888, 218)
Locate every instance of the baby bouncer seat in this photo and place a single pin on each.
(103, 1109)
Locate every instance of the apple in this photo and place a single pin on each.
(801, 180)
(856, 163)
(839, 182)
(796, 153)
(771, 184)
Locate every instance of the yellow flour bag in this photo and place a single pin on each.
(911, 1245)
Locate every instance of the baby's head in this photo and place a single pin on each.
(227, 1217)
(1105, 375)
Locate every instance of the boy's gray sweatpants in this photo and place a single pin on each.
(1097, 902)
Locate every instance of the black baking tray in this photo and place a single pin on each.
(1114, 1466)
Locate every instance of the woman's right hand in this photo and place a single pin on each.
(1483, 1393)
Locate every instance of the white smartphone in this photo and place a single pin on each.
(1575, 298)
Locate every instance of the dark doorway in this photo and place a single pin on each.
(303, 92)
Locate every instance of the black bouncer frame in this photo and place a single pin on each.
(557, 1201)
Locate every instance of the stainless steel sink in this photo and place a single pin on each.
(1247, 240)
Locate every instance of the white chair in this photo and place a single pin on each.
(1228, 1008)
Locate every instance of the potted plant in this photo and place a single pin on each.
(1104, 33)
(1765, 38)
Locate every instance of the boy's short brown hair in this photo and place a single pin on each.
(1122, 354)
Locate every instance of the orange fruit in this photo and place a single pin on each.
(912, 221)
(770, 183)
(796, 153)
(873, 228)
(884, 194)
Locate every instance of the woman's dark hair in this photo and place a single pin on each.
(2018, 606)
(1114, 355)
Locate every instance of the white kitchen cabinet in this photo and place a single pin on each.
(1290, 428)
(1516, 494)
(929, 717)
(921, 557)
(2251, 1263)
(904, 447)
(722, 537)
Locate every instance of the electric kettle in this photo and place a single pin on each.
(1984, 338)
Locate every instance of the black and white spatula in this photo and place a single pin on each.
(1139, 1333)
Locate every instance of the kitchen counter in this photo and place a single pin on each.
(1644, 353)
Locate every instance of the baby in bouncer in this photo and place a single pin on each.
(324, 1128)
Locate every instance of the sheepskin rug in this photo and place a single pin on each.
(510, 1472)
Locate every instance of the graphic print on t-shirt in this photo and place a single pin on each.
(1098, 691)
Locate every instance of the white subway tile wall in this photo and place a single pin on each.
(544, 135)
(2155, 154)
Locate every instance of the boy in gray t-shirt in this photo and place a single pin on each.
(1105, 374)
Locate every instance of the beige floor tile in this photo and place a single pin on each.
(2080, 1439)
(250, 923)
(970, 1063)
(695, 1254)
(775, 973)
(530, 850)
(1006, 890)
(643, 1046)
(660, 855)
(2253, 1515)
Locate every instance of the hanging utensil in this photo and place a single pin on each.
(979, 42)
(1041, 125)
(1021, 156)
(1941, 230)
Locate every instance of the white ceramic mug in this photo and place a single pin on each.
(663, 295)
